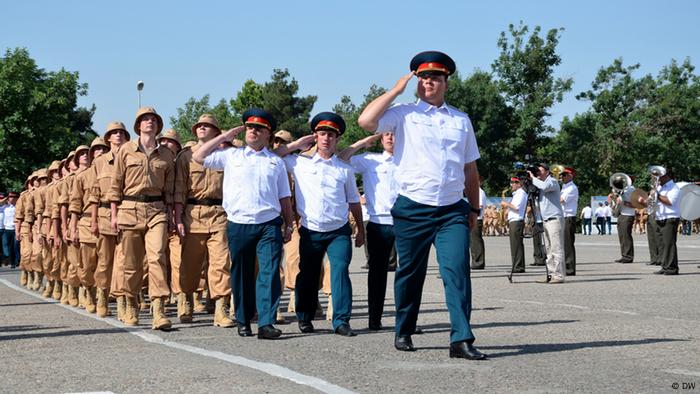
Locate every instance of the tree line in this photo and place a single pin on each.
(633, 120)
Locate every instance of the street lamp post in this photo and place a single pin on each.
(139, 87)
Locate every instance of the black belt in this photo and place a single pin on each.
(142, 198)
(210, 202)
(105, 205)
(552, 218)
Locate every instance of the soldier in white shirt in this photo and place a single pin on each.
(586, 215)
(667, 219)
(254, 226)
(381, 190)
(325, 190)
(516, 217)
(435, 148)
(569, 202)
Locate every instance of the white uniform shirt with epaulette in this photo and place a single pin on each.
(381, 189)
(254, 183)
(324, 190)
(431, 147)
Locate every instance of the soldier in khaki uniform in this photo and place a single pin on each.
(201, 222)
(38, 239)
(70, 266)
(141, 197)
(81, 218)
(53, 282)
(24, 234)
(101, 227)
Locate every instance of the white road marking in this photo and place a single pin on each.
(268, 368)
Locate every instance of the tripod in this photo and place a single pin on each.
(532, 226)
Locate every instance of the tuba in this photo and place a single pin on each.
(556, 170)
(656, 172)
(619, 182)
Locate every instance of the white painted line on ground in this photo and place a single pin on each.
(268, 368)
(93, 392)
(682, 372)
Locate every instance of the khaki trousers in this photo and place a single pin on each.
(174, 255)
(134, 246)
(554, 242)
(72, 265)
(37, 258)
(55, 273)
(25, 252)
(88, 264)
(106, 246)
(195, 249)
(291, 260)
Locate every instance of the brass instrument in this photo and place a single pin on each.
(556, 170)
(619, 182)
(656, 172)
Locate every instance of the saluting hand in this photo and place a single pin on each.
(368, 142)
(402, 83)
(305, 142)
(231, 134)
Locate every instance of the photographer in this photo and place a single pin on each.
(553, 219)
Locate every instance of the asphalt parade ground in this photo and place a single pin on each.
(611, 328)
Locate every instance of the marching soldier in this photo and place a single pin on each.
(325, 192)
(52, 265)
(201, 224)
(38, 239)
(103, 172)
(254, 223)
(141, 198)
(23, 225)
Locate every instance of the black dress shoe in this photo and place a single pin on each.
(375, 326)
(669, 272)
(392, 268)
(537, 264)
(466, 350)
(418, 331)
(404, 344)
(268, 332)
(653, 263)
(478, 267)
(660, 272)
(244, 330)
(306, 327)
(519, 271)
(617, 261)
(571, 274)
(345, 330)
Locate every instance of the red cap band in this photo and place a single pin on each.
(432, 66)
(328, 123)
(259, 121)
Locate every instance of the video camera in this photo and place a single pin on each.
(521, 172)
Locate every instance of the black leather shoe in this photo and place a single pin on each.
(478, 267)
(668, 272)
(306, 327)
(537, 264)
(268, 332)
(660, 272)
(626, 261)
(392, 268)
(571, 274)
(418, 331)
(518, 271)
(653, 263)
(345, 330)
(466, 350)
(375, 326)
(617, 261)
(404, 344)
(244, 330)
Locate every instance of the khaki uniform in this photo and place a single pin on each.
(80, 205)
(142, 185)
(37, 244)
(200, 190)
(50, 256)
(103, 171)
(54, 213)
(69, 264)
(22, 214)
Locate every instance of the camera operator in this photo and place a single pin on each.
(553, 219)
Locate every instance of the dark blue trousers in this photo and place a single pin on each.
(417, 226)
(380, 242)
(245, 242)
(313, 245)
(10, 247)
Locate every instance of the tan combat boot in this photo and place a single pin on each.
(184, 307)
(131, 315)
(81, 297)
(291, 307)
(73, 295)
(64, 294)
(90, 299)
(198, 305)
(102, 307)
(220, 318)
(160, 322)
(143, 306)
(57, 293)
(23, 278)
(329, 311)
(34, 285)
(39, 281)
(48, 290)
(121, 308)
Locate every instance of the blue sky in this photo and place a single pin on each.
(188, 49)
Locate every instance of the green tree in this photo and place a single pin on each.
(39, 117)
(350, 112)
(525, 71)
(279, 96)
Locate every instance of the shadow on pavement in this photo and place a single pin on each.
(61, 334)
(563, 347)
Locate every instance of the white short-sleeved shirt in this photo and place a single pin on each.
(381, 189)
(9, 217)
(482, 200)
(608, 211)
(2, 216)
(254, 183)
(323, 191)
(431, 146)
(519, 201)
(569, 193)
(627, 197)
(673, 193)
(600, 212)
(587, 212)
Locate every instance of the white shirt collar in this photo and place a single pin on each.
(318, 158)
(427, 107)
(248, 151)
(387, 156)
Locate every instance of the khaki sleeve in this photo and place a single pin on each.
(29, 209)
(169, 182)
(75, 204)
(94, 186)
(55, 209)
(39, 202)
(115, 191)
(182, 173)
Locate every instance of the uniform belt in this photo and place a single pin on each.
(552, 218)
(142, 198)
(205, 201)
(105, 205)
